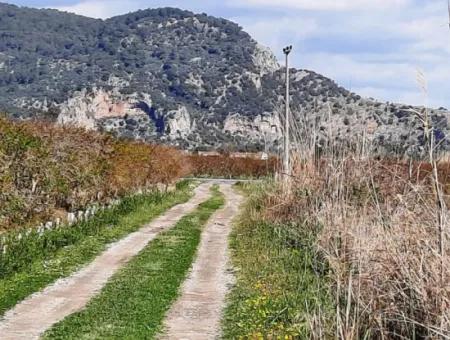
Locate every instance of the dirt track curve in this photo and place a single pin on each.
(32, 317)
(198, 311)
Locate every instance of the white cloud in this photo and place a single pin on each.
(100, 9)
(348, 68)
(278, 32)
(376, 53)
(411, 97)
(323, 5)
(383, 80)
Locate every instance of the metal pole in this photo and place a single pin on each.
(287, 170)
(448, 13)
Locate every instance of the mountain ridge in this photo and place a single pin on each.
(180, 78)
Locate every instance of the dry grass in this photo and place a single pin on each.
(381, 237)
(47, 170)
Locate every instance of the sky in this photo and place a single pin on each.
(376, 48)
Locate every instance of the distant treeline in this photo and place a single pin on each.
(227, 166)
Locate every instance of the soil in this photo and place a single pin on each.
(198, 311)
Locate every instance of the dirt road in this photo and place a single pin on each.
(198, 311)
(32, 317)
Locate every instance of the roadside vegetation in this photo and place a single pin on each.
(368, 245)
(382, 238)
(134, 302)
(227, 166)
(357, 247)
(378, 226)
(47, 171)
(34, 259)
(281, 290)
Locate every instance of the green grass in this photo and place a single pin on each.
(281, 281)
(134, 302)
(34, 261)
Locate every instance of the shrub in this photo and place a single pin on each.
(48, 170)
(230, 167)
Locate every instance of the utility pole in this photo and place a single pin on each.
(448, 3)
(287, 170)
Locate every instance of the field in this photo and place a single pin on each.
(373, 233)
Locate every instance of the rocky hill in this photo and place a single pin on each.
(181, 78)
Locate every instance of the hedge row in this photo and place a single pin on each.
(46, 171)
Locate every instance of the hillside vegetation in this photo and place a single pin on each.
(186, 79)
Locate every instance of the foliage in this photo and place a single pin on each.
(48, 170)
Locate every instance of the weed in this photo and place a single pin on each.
(281, 282)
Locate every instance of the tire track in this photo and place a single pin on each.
(33, 316)
(198, 311)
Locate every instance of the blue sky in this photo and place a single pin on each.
(373, 47)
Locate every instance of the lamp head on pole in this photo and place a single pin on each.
(287, 50)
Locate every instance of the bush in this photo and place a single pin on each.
(230, 167)
(48, 170)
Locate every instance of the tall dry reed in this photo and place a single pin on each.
(384, 233)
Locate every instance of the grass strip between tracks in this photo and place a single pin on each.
(134, 302)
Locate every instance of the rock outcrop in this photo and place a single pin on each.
(85, 109)
(179, 124)
(265, 60)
